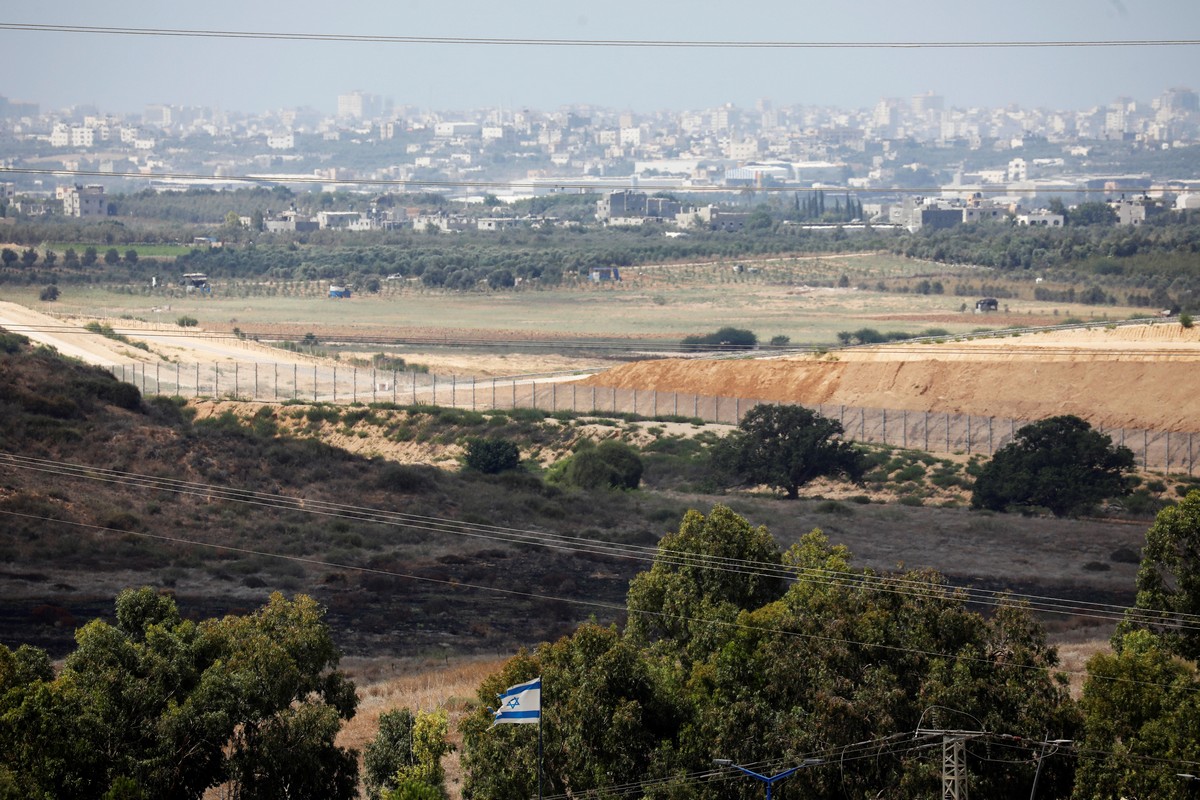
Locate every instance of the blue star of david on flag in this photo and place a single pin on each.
(520, 704)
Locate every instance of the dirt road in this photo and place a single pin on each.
(168, 343)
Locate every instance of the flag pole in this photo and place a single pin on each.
(539, 752)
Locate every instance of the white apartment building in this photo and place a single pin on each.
(84, 201)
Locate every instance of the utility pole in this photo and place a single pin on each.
(1055, 743)
(954, 760)
(769, 780)
(954, 767)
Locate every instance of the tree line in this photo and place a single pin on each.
(156, 705)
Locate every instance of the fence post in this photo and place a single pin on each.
(593, 399)
(314, 383)
(573, 387)
(635, 402)
(1167, 468)
(178, 387)
(514, 392)
(884, 427)
(862, 424)
(493, 394)
(335, 384)
(255, 380)
(614, 399)
(157, 379)
(927, 431)
(433, 391)
(737, 410)
(216, 381)
(695, 405)
(395, 388)
(553, 397)
(472, 392)
(654, 403)
(414, 387)
(904, 435)
(991, 442)
(1146, 449)
(275, 366)
(453, 391)
(968, 434)
(675, 404)
(947, 433)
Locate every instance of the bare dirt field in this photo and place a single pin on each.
(1137, 376)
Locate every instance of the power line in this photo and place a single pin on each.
(845, 579)
(719, 44)
(611, 607)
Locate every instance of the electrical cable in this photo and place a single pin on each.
(202, 33)
(845, 579)
(644, 553)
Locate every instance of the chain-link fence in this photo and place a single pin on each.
(1169, 451)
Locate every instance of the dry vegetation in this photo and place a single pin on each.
(413, 643)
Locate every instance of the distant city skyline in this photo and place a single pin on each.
(124, 73)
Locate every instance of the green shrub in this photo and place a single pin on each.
(492, 456)
(833, 507)
(407, 478)
(1126, 555)
(187, 322)
(912, 472)
(12, 342)
(122, 395)
(725, 337)
(611, 464)
(317, 414)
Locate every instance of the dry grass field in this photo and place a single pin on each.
(794, 297)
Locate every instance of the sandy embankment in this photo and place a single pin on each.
(1130, 377)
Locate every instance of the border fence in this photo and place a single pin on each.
(932, 432)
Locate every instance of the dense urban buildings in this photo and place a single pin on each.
(909, 161)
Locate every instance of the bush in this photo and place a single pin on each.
(610, 465)
(49, 294)
(492, 456)
(1186, 320)
(725, 337)
(186, 322)
(12, 342)
(407, 478)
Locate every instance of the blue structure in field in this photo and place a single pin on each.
(339, 291)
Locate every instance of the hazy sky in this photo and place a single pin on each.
(123, 73)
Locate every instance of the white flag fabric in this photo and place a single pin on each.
(520, 703)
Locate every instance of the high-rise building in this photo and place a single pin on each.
(360, 105)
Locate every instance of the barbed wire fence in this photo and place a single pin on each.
(933, 432)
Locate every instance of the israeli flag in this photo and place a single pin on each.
(520, 703)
